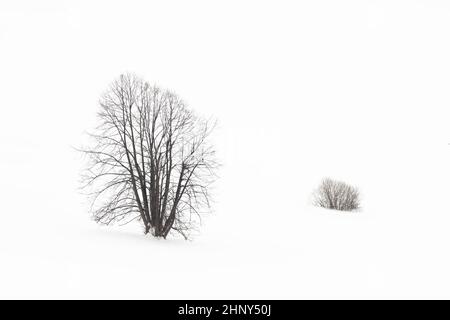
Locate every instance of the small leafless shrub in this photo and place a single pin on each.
(337, 195)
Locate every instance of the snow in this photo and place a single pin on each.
(355, 90)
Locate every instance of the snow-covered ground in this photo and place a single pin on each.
(354, 90)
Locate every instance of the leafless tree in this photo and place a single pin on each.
(151, 160)
(337, 195)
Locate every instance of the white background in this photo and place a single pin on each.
(354, 90)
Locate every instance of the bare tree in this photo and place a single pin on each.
(337, 195)
(151, 161)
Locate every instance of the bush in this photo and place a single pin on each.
(337, 195)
